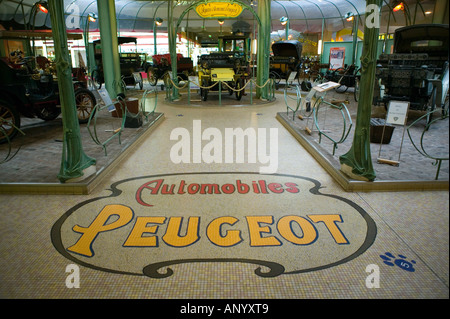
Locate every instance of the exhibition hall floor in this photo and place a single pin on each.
(181, 219)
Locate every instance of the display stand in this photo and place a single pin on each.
(291, 77)
(397, 115)
(312, 95)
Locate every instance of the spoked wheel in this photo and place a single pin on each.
(85, 102)
(9, 121)
(151, 76)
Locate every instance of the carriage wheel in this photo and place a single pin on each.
(9, 120)
(151, 76)
(85, 102)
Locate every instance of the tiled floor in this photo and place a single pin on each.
(409, 229)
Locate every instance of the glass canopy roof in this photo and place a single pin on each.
(138, 15)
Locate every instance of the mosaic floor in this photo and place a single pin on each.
(155, 228)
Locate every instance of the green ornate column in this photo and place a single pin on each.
(263, 57)
(357, 162)
(172, 35)
(110, 47)
(74, 161)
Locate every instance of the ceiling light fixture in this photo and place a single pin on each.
(42, 7)
(398, 7)
(283, 20)
(349, 16)
(92, 17)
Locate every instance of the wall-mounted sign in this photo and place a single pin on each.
(219, 10)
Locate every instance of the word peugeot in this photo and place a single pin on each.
(282, 222)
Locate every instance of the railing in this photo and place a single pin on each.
(9, 154)
(311, 105)
(116, 131)
(438, 160)
(170, 84)
(144, 103)
(297, 99)
(345, 116)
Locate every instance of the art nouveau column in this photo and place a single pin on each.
(263, 57)
(357, 162)
(74, 163)
(110, 47)
(172, 35)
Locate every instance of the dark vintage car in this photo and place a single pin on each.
(287, 58)
(417, 70)
(161, 65)
(24, 91)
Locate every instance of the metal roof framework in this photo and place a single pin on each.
(307, 16)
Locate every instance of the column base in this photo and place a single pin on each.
(87, 172)
(347, 170)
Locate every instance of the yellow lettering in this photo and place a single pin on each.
(136, 238)
(172, 236)
(285, 229)
(99, 225)
(330, 223)
(255, 231)
(231, 238)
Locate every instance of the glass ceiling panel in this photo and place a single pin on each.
(304, 15)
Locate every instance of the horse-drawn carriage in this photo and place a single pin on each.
(287, 58)
(131, 64)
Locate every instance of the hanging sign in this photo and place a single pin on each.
(219, 10)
